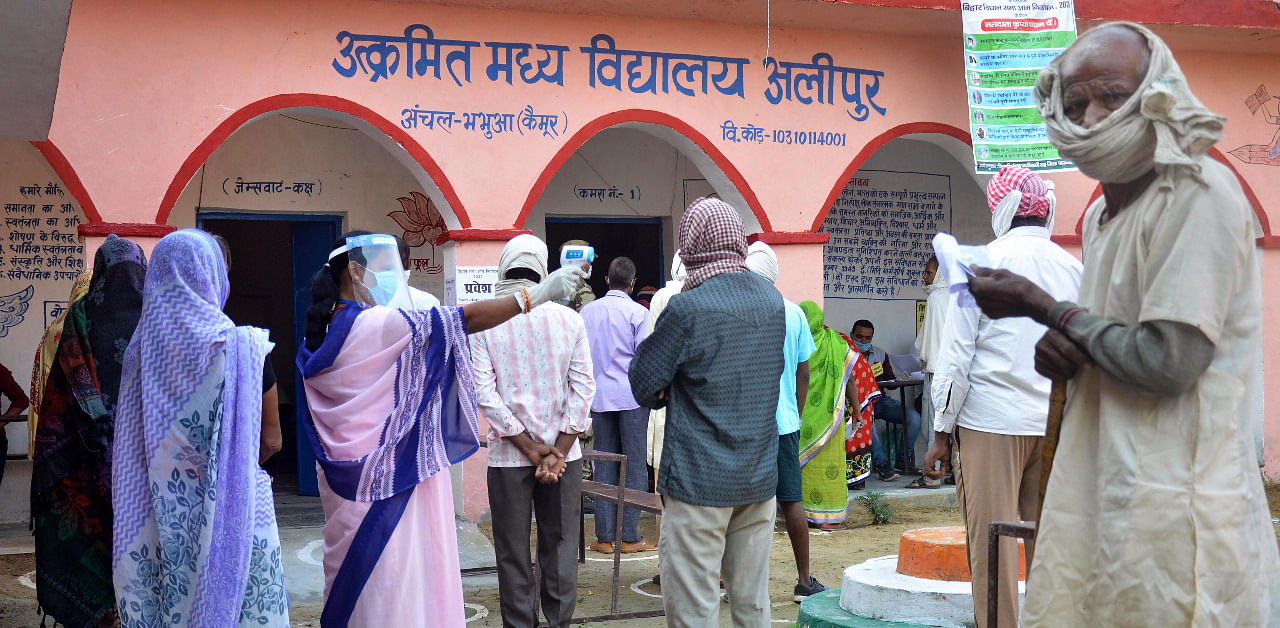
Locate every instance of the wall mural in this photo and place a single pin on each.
(1262, 154)
(422, 225)
(13, 308)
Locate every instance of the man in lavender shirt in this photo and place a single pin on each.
(615, 327)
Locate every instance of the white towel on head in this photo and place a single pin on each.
(763, 261)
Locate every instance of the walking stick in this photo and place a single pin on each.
(1052, 430)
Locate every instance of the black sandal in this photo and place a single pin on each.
(923, 482)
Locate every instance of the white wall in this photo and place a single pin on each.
(28, 304)
(351, 175)
(901, 165)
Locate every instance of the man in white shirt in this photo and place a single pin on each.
(534, 387)
(418, 299)
(988, 398)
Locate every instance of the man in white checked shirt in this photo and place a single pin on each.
(534, 387)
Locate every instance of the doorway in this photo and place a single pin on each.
(637, 238)
(273, 257)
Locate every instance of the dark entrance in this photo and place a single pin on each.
(273, 257)
(637, 238)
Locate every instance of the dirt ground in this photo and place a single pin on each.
(831, 553)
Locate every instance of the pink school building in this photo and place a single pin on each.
(840, 130)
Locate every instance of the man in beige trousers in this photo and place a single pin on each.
(988, 399)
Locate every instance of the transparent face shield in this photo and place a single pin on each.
(376, 273)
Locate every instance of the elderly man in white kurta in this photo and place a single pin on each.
(1155, 513)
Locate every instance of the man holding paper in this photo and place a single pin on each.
(988, 399)
(1155, 513)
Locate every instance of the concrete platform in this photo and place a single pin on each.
(897, 493)
(823, 611)
(876, 590)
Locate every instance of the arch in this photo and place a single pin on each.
(877, 142)
(1265, 239)
(280, 102)
(65, 171)
(642, 117)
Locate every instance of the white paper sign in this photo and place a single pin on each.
(473, 283)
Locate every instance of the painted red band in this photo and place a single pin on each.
(479, 235)
(252, 110)
(125, 229)
(789, 237)
(62, 167)
(1066, 240)
(593, 127)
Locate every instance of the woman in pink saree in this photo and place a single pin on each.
(392, 407)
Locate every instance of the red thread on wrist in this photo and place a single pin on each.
(1066, 317)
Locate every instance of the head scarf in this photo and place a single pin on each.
(186, 490)
(1017, 192)
(71, 504)
(1162, 126)
(45, 354)
(522, 251)
(763, 261)
(712, 241)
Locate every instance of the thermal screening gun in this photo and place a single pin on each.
(577, 255)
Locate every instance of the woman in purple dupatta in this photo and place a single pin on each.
(392, 406)
(195, 531)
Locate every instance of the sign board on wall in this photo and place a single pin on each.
(470, 284)
(1006, 44)
(880, 231)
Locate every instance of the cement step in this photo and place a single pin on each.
(823, 611)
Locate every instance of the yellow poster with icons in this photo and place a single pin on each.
(919, 315)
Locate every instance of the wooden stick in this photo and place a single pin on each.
(1052, 430)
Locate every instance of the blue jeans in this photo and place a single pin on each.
(890, 409)
(625, 432)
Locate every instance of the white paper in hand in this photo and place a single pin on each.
(956, 260)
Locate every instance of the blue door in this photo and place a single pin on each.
(312, 241)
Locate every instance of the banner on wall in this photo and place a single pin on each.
(1006, 44)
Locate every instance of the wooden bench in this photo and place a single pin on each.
(622, 497)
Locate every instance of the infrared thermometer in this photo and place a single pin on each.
(577, 256)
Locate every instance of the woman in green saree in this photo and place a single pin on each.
(822, 432)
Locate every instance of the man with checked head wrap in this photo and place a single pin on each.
(989, 403)
(715, 361)
(1155, 513)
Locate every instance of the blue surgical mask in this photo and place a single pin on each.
(862, 346)
(387, 286)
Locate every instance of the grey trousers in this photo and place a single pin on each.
(701, 544)
(514, 495)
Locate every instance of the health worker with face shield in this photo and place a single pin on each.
(393, 405)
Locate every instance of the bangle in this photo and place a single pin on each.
(1066, 317)
(528, 306)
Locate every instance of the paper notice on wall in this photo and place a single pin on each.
(1006, 44)
(471, 284)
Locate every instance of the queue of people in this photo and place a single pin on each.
(150, 506)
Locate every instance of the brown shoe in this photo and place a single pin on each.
(604, 548)
(639, 546)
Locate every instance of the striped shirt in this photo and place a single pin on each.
(533, 373)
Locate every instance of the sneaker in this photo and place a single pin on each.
(888, 475)
(803, 591)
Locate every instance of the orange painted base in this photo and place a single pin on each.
(939, 554)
